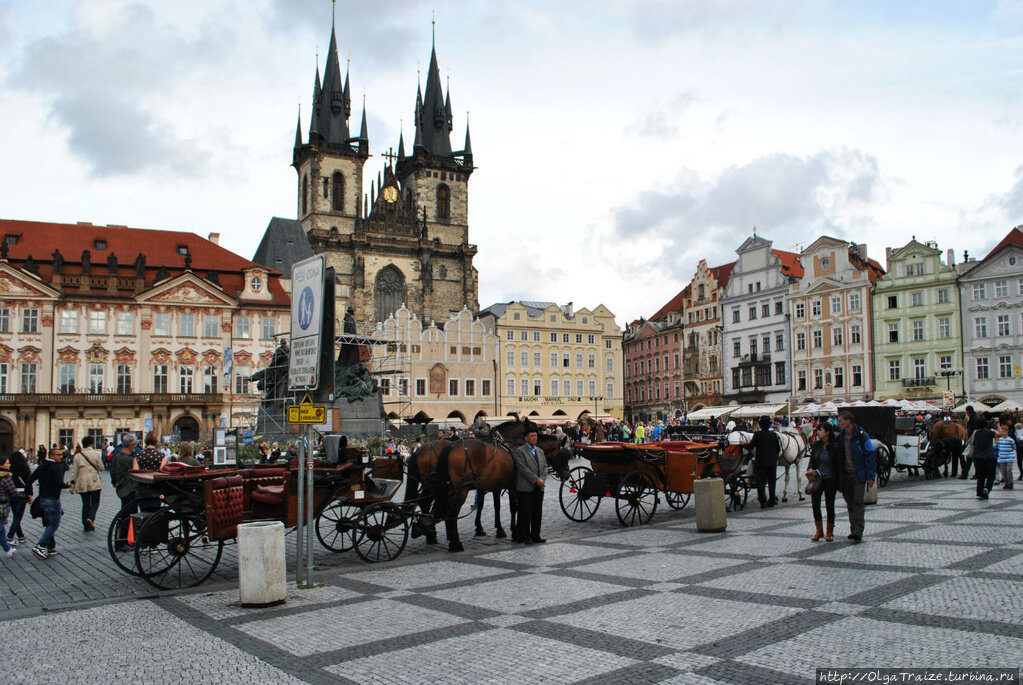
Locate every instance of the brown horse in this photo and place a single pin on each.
(948, 439)
(442, 473)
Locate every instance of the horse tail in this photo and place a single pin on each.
(414, 479)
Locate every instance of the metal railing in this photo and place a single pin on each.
(918, 382)
(123, 399)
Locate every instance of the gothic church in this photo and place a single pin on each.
(407, 240)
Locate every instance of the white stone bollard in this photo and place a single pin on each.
(262, 567)
(710, 505)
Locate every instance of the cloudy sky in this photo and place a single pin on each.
(617, 142)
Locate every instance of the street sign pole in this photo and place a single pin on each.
(300, 474)
(309, 512)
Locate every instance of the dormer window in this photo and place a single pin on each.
(99, 244)
(11, 239)
(182, 249)
(256, 284)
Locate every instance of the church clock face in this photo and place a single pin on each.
(390, 194)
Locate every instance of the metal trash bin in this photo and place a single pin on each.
(262, 565)
(710, 505)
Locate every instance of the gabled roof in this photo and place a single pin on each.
(673, 305)
(722, 273)
(790, 264)
(1015, 237)
(283, 244)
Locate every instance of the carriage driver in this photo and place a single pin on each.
(767, 448)
(530, 468)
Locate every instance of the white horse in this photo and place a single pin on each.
(793, 447)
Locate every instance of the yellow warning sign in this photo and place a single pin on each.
(307, 412)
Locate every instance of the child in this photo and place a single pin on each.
(7, 494)
(1006, 450)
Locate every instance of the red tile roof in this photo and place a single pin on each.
(1015, 237)
(673, 305)
(722, 273)
(40, 240)
(790, 264)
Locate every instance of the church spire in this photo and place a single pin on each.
(401, 145)
(467, 150)
(332, 119)
(433, 112)
(298, 128)
(317, 94)
(364, 130)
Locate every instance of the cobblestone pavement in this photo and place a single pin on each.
(938, 581)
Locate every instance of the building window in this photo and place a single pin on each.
(893, 332)
(836, 335)
(537, 387)
(800, 380)
(1003, 325)
(736, 382)
(161, 323)
(509, 358)
(1001, 288)
(554, 360)
(857, 376)
(736, 348)
(854, 302)
(608, 346)
(66, 436)
(839, 376)
(818, 379)
(554, 337)
(509, 389)
(69, 321)
(894, 369)
(945, 362)
(185, 379)
(779, 342)
(3, 379)
(982, 369)
(764, 375)
(443, 202)
(555, 388)
(591, 361)
(29, 320)
(125, 323)
(95, 378)
(160, 379)
(565, 360)
(765, 310)
(269, 327)
(209, 379)
(28, 377)
(855, 336)
(980, 326)
(241, 327)
(524, 336)
(186, 325)
(524, 386)
(536, 336)
(537, 360)
(470, 387)
(524, 358)
(453, 387)
(917, 299)
(97, 322)
(893, 302)
(579, 388)
(800, 310)
(609, 364)
(485, 387)
(5, 320)
(211, 326)
(818, 339)
(836, 304)
(337, 200)
(68, 374)
(752, 312)
(779, 373)
(943, 296)
(420, 387)
(736, 315)
(123, 378)
(979, 292)
(918, 330)
(579, 340)
(509, 335)
(815, 308)
(919, 368)
(579, 360)
(800, 340)
(1005, 366)
(944, 327)
(305, 194)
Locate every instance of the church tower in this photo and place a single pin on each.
(406, 241)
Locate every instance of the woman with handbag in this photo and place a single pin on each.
(85, 481)
(822, 475)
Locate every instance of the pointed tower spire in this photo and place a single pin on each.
(364, 130)
(447, 107)
(298, 128)
(347, 91)
(401, 145)
(467, 150)
(434, 113)
(332, 122)
(317, 95)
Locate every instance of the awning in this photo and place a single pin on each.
(1007, 405)
(710, 413)
(747, 411)
(551, 420)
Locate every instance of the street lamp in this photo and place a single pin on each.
(595, 400)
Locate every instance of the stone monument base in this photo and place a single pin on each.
(363, 418)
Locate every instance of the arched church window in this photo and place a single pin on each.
(338, 203)
(389, 291)
(305, 194)
(443, 202)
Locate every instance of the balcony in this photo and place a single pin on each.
(108, 399)
(918, 382)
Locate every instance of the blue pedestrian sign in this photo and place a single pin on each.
(306, 323)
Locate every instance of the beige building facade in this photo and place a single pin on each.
(555, 361)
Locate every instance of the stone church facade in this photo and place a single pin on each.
(406, 242)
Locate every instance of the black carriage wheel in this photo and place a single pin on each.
(677, 500)
(185, 557)
(382, 532)
(122, 551)
(736, 492)
(636, 500)
(577, 507)
(336, 525)
(884, 465)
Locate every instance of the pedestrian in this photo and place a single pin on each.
(1006, 455)
(20, 473)
(85, 481)
(973, 422)
(640, 433)
(7, 494)
(530, 469)
(185, 455)
(767, 446)
(123, 461)
(50, 475)
(859, 469)
(150, 459)
(984, 459)
(1018, 438)
(825, 464)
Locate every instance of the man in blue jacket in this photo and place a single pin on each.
(859, 470)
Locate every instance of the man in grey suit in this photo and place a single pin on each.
(530, 469)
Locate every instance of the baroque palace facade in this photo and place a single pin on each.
(128, 330)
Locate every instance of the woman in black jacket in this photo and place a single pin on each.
(826, 464)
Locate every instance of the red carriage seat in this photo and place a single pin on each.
(224, 506)
(268, 492)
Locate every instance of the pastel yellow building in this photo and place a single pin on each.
(557, 362)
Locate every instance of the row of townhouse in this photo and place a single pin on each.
(830, 323)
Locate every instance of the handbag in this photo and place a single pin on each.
(36, 508)
(814, 486)
(968, 452)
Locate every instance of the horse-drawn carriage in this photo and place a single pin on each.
(904, 444)
(635, 476)
(190, 513)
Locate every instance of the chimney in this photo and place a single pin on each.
(888, 258)
(85, 223)
(568, 310)
(214, 238)
(951, 257)
(862, 249)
